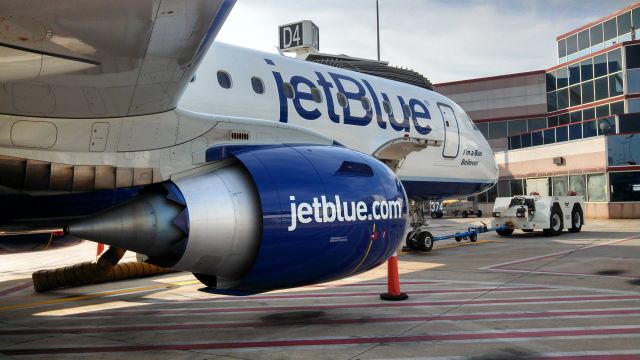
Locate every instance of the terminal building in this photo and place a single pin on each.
(572, 127)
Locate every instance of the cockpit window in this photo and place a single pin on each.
(473, 125)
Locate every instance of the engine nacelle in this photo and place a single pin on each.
(278, 217)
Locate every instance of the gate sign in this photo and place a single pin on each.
(299, 35)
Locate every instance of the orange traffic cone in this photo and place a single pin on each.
(393, 281)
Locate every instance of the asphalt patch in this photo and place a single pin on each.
(610, 272)
(292, 318)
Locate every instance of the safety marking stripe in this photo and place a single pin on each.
(16, 288)
(498, 266)
(511, 334)
(242, 324)
(542, 272)
(87, 297)
(469, 302)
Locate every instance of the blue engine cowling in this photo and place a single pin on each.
(325, 213)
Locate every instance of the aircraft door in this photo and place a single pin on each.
(451, 131)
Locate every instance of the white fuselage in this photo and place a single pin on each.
(461, 156)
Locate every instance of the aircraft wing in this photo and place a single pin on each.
(96, 58)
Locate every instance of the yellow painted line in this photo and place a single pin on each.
(96, 295)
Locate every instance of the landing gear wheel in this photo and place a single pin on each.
(458, 239)
(424, 241)
(576, 221)
(465, 214)
(434, 214)
(479, 213)
(439, 214)
(555, 221)
(505, 232)
(473, 237)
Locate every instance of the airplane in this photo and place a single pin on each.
(254, 171)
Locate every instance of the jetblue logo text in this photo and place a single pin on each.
(323, 211)
(355, 91)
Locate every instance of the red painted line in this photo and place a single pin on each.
(592, 357)
(362, 294)
(252, 324)
(16, 288)
(510, 334)
(375, 284)
(355, 306)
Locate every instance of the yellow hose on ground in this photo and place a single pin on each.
(105, 269)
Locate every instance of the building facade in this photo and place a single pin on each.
(572, 127)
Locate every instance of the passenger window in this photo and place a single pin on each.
(342, 100)
(287, 88)
(224, 79)
(366, 104)
(258, 85)
(407, 110)
(316, 95)
(387, 107)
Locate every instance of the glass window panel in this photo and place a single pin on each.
(562, 77)
(624, 23)
(615, 60)
(606, 126)
(552, 121)
(636, 17)
(583, 40)
(517, 127)
(572, 44)
(589, 129)
(562, 133)
(552, 101)
(514, 142)
(586, 69)
(551, 81)
(562, 48)
(564, 119)
(602, 88)
(498, 130)
(525, 139)
(587, 92)
(538, 123)
(629, 123)
(615, 84)
(575, 131)
(596, 188)
(633, 81)
(633, 56)
(633, 105)
(563, 97)
(588, 114)
(484, 129)
(617, 108)
(575, 116)
(559, 184)
(600, 65)
(596, 34)
(574, 74)
(578, 184)
(536, 138)
(492, 194)
(504, 189)
(625, 186)
(516, 187)
(574, 95)
(549, 136)
(602, 110)
(610, 29)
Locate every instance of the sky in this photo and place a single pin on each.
(445, 40)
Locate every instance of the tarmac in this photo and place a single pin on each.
(575, 296)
